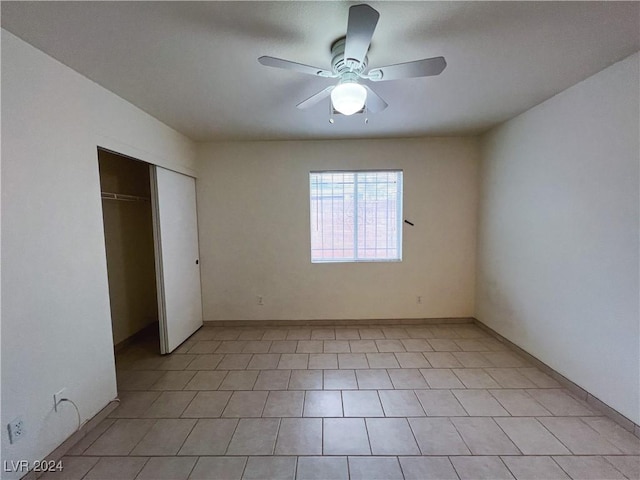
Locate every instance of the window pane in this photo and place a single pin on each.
(355, 216)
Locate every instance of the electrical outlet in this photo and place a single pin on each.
(16, 430)
(260, 300)
(419, 299)
(57, 397)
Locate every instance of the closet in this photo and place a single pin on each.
(129, 241)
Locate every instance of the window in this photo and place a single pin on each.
(356, 216)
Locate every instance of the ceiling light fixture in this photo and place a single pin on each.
(348, 97)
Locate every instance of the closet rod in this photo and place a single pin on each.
(122, 197)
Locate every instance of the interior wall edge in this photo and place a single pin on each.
(338, 322)
(573, 387)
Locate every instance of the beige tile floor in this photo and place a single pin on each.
(413, 402)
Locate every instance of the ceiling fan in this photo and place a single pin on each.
(348, 64)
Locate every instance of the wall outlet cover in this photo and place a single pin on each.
(16, 430)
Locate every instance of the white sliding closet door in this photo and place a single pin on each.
(177, 264)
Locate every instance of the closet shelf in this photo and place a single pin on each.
(122, 197)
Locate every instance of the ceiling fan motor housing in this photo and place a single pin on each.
(341, 65)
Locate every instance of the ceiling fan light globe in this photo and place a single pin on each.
(348, 98)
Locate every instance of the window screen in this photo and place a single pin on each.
(356, 216)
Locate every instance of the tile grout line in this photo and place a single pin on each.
(553, 459)
(614, 466)
(366, 428)
(505, 464)
(244, 467)
(453, 464)
(455, 427)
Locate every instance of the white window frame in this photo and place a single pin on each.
(399, 217)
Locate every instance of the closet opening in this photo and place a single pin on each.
(127, 215)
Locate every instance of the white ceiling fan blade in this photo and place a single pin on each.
(361, 25)
(298, 67)
(313, 99)
(419, 68)
(375, 103)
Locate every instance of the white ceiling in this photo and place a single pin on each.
(193, 65)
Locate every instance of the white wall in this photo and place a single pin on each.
(56, 327)
(253, 214)
(558, 234)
